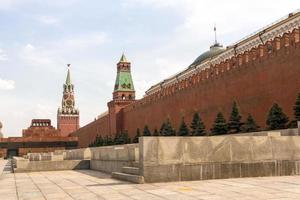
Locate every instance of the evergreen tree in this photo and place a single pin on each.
(220, 126)
(122, 138)
(118, 139)
(293, 123)
(168, 129)
(197, 126)
(109, 140)
(146, 131)
(297, 108)
(276, 118)
(235, 124)
(136, 138)
(161, 130)
(127, 138)
(99, 141)
(105, 140)
(155, 133)
(250, 125)
(183, 129)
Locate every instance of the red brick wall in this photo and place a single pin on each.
(255, 85)
(87, 134)
(255, 80)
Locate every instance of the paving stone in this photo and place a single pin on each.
(88, 184)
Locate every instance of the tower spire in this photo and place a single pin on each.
(123, 58)
(215, 30)
(68, 79)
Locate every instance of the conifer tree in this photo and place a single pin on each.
(109, 140)
(183, 129)
(136, 138)
(250, 124)
(161, 130)
(220, 126)
(276, 118)
(296, 111)
(235, 124)
(99, 141)
(122, 138)
(155, 133)
(105, 140)
(197, 126)
(146, 131)
(127, 139)
(168, 129)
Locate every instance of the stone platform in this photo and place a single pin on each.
(88, 184)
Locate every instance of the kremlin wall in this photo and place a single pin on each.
(256, 72)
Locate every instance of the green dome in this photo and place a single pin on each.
(214, 50)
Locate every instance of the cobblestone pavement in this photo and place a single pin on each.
(87, 184)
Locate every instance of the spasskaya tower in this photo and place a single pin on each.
(67, 114)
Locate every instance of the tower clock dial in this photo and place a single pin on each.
(69, 102)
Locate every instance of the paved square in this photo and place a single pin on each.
(88, 184)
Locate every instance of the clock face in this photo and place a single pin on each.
(69, 102)
(66, 96)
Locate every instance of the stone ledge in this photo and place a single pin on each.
(220, 170)
(54, 165)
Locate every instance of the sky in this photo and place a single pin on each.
(38, 38)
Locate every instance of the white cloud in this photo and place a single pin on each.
(47, 19)
(35, 56)
(3, 56)
(7, 84)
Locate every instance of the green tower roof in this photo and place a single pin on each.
(123, 58)
(124, 80)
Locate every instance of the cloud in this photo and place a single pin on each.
(3, 56)
(7, 84)
(36, 56)
(47, 19)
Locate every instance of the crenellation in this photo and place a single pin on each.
(253, 54)
(295, 35)
(261, 50)
(246, 57)
(286, 39)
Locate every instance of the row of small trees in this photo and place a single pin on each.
(121, 138)
(276, 119)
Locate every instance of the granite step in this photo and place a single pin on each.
(131, 170)
(135, 164)
(128, 177)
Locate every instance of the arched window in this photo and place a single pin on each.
(123, 97)
(129, 97)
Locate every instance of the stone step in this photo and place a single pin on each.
(128, 177)
(136, 164)
(131, 170)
